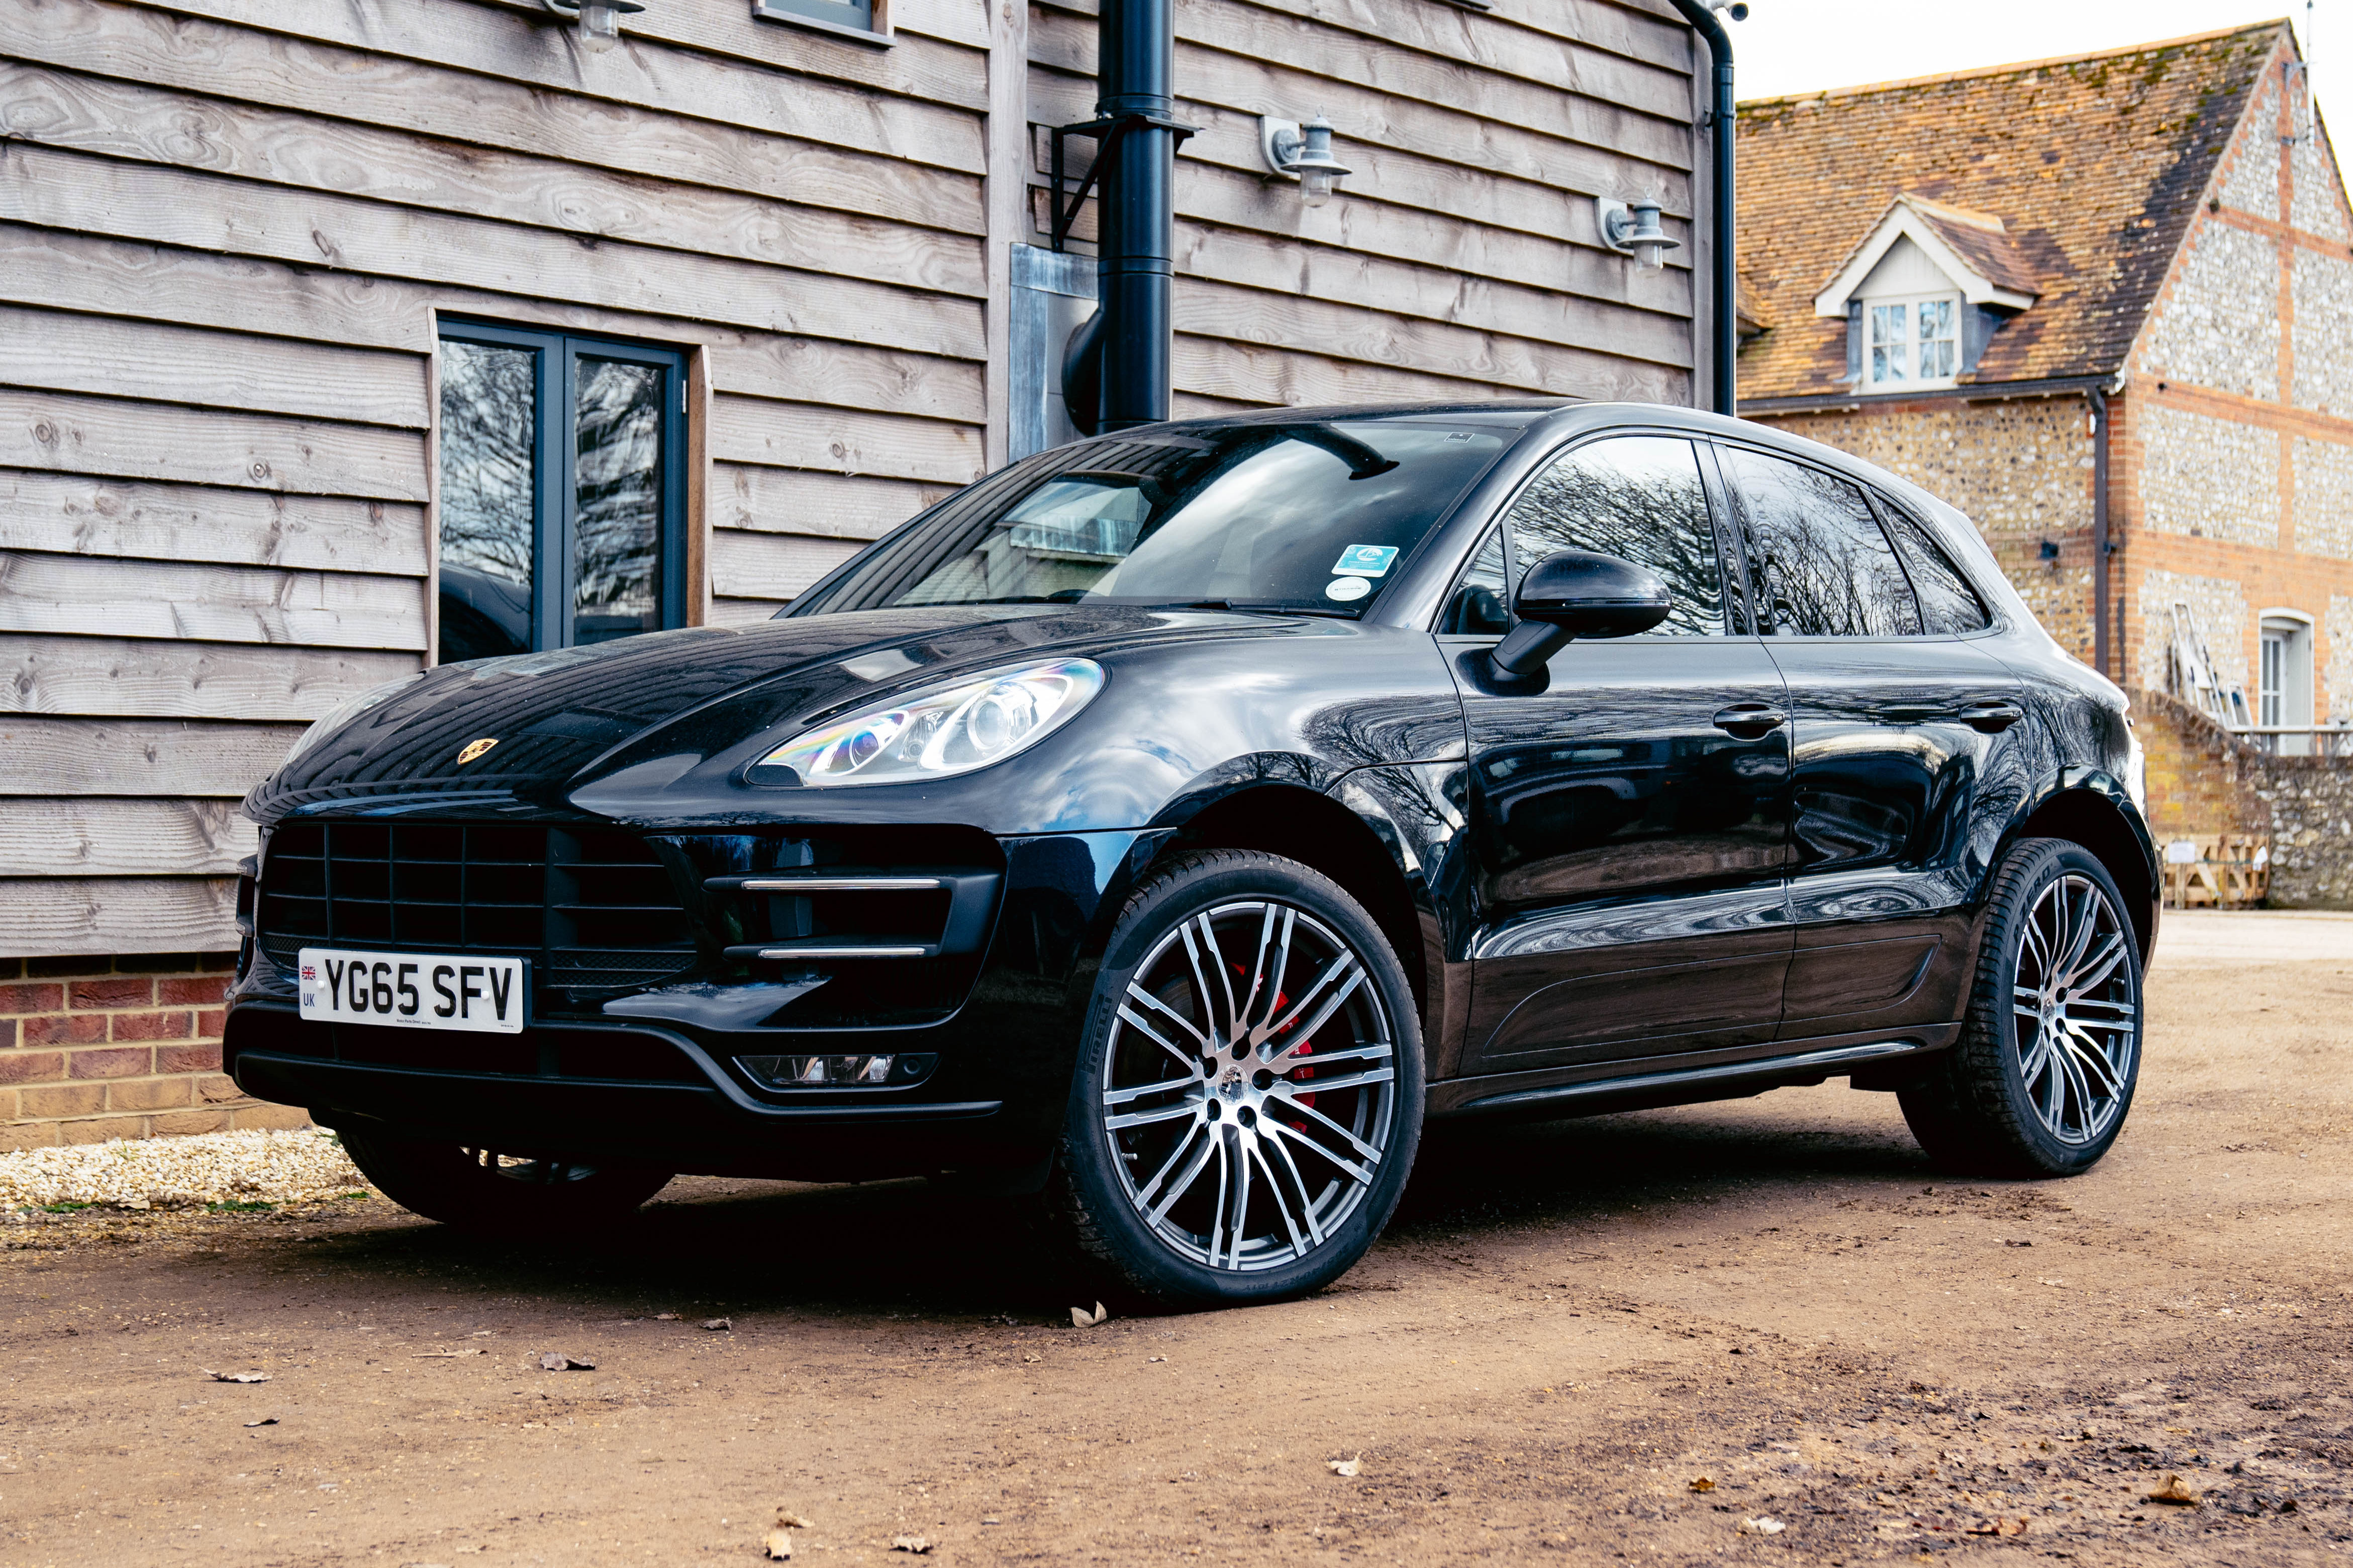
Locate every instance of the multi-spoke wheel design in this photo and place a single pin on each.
(1249, 1085)
(1248, 1093)
(2042, 1076)
(2078, 1018)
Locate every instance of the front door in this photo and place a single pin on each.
(1630, 821)
(1897, 717)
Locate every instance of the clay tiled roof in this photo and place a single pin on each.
(2092, 165)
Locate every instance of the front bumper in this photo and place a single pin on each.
(654, 1078)
(679, 1108)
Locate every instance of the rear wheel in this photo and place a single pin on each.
(483, 1189)
(1249, 1097)
(2049, 1055)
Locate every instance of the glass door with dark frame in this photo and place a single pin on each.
(561, 490)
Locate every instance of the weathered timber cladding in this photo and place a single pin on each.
(229, 231)
(1461, 256)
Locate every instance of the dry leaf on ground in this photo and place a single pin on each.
(718, 1325)
(1080, 1319)
(789, 1520)
(235, 1376)
(665, 1316)
(914, 1543)
(264, 1421)
(1763, 1526)
(2175, 1491)
(551, 1361)
(1702, 1483)
(1346, 1467)
(445, 1356)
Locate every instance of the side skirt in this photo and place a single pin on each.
(1876, 1061)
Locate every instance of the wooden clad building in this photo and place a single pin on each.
(337, 339)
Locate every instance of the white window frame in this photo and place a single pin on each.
(2283, 682)
(1910, 304)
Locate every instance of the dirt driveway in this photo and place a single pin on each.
(1568, 1332)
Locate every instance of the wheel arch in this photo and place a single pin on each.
(2093, 810)
(1305, 824)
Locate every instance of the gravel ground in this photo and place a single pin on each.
(1761, 1332)
(240, 1170)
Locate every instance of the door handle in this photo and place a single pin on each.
(1991, 715)
(1750, 721)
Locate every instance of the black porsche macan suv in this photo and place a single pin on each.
(1168, 824)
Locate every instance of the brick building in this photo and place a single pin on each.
(1953, 276)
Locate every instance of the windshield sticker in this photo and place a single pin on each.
(1365, 561)
(1347, 588)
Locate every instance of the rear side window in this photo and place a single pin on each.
(1640, 499)
(1827, 569)
(1947, 603)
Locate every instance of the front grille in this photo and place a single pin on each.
(594, 911)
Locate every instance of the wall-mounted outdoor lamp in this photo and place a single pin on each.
(1303, 152)
(1633, 230)
(600, 20)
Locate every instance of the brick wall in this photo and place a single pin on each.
(93, 1049)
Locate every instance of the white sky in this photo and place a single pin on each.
(1799, 46)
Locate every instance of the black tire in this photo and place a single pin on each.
(482, 1190)
(2043, 1075)
(1310, 1202)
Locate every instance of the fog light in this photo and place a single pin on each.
(839, 1072)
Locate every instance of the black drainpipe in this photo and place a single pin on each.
(1705, 23)
(1118, 373)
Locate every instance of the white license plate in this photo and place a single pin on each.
(413, 990)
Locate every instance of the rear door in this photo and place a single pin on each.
(1896, 714)
(1630, 822)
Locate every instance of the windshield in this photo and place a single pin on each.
(1301, 516)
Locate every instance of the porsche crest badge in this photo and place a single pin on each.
(475, 749)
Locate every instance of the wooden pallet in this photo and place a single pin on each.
(2232, 870)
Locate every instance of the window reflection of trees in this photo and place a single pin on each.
(617, 526)
(487, 477)
(1828, 569)
(1637, 498)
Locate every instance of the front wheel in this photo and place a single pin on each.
(2050, 1053)
(1249, 1095)
(484, 1190)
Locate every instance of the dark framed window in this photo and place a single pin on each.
(563, 490)
(859, 21)
(1639, 498)
(1821, 565)
(1948, 603)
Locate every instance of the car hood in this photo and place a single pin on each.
(563, 717)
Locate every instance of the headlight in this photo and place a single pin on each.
(344, 713)
(934, 735)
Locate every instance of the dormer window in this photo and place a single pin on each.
(1914, 342)
(1923, 294)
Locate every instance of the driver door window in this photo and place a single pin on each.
(1640, 499)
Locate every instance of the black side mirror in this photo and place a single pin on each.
(1574, 593)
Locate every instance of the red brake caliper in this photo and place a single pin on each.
(1297, 1074)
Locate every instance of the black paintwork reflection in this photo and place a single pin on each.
(1616, 782)
(1892, 791)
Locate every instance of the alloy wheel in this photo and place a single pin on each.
(1249, 1086)
(2077, 1009)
